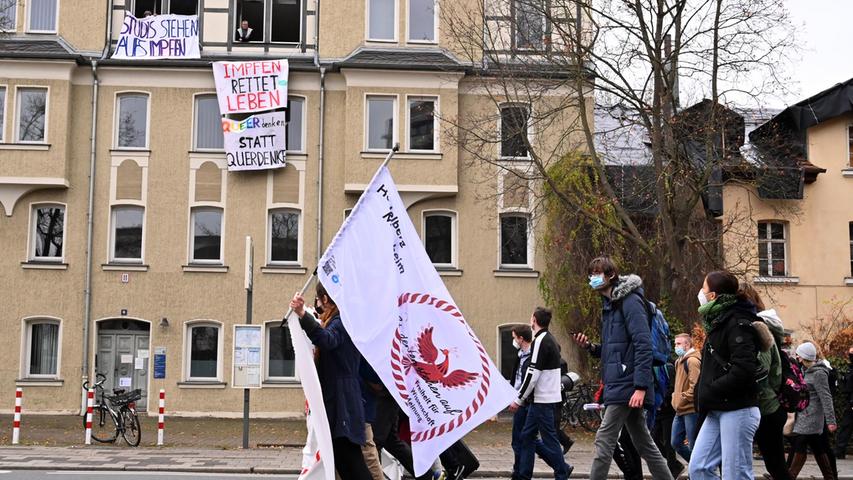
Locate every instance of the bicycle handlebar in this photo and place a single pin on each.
(100, 377)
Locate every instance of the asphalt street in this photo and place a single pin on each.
(105, 475)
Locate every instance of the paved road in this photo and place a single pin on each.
(105, 475)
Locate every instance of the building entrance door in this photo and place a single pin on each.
(123, 356)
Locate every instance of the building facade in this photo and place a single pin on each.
(123, 233)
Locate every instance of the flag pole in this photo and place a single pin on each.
(313, 276)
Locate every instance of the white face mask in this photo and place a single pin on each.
(515, 344)
(702, 298)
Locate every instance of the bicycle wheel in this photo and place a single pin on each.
(104, 428)
(132, 433)
(590, 420)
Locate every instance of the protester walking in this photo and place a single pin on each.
(626, 366)
(845, 428)
(338, 368)
(727, 391)
(813, 424)
(538, 393)
(687, 367)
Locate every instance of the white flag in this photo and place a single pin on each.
(404, 322)
(318, 461)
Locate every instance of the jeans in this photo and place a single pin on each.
(539, 420)
(684, 428)
(616, 417)
(771, 444)
(725, 439)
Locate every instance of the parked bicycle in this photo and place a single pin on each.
(114, 415)
(572, 412)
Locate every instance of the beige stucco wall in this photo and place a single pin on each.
(817, 230)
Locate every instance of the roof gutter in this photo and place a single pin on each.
(321, 145)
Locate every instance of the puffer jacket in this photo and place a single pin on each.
(626, 344)
(820, 410)
(769, 331)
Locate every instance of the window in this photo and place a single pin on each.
(514, 240)
(422, 131)
(850, 228)
(422, 21)
(48, 231)
(127, 234)
(529, 24)
(771, 249)
(285, 21)
(440, 238)
(206, 235)
(42, 348)
(8, 15)
(183, 7)
(284, 236)
(850, 145)
(156, 7)
(32, 110)
(382, 20)
(281, 361)
(43, 15)
(514, 120)
(140, 7)
(2, 102)
(380, 122)
(208, 123)
(203, 348)
(508, 355)
(132, 121)
(295, 127)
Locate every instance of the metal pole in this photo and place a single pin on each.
(246, 390)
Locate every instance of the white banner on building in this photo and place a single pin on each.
(246, 87)
(401, 317)
(256, 143)
(318, 461)
(158, 36)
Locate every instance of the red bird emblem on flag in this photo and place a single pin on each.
(430, 370)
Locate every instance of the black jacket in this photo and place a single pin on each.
(727, 379)
(541, 382)
(847, 386)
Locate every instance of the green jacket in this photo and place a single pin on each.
(767, 395)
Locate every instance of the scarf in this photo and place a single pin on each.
(327, 315)
(712, 311)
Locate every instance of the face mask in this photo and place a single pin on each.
(515, 344)
(596, 281)
(679, 351)
(702, 298)
(318, 307)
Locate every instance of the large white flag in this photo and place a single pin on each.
(401, 317)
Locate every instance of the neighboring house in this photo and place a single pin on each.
(169, 221)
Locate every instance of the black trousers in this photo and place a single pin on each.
(627, 457)
(662, 435)
(771, 444)
(565, 440)
(386, 436)
(349, 462)
(845, 429)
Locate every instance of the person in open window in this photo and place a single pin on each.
(147, 14)
(244, 33)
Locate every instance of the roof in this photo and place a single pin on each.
(24, 47)
(397, 59)
(830, 103)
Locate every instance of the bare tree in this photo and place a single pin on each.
(550, 66)
(8, 15)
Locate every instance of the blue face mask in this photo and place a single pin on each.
(679, 351)
(596, 281)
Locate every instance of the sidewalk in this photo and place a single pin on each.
(212, 446)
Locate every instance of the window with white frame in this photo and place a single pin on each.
(276, 21)
(127, 222)
(203, 351)
(381, 125)
(281, 360)
(529, 20)
(42, 348)
(8, 15)
(296, 125)
(284, 236)
(208, 123)
(142, 8)
(422, 124)
(2, 108)
(514, 239)
(132, 120)
(772, 249)
(514, 119)
(440, 238)
(382, 20)
(48, 232)
(31, 106)
(206, 245)
(422, 21)
(42, 16)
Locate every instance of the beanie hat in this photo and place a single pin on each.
(807, 351)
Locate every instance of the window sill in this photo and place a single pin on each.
(848, 281)
(367, 154)
(32, 265)
(515, 159)
(847, 172)
(202, 384)
(516, 272)
(281, 384)
(39, 382)
(43, 147)
(200, 268)
(284, 269)
(130, 151)
(776, 280)
(449, 272)
(124, 267)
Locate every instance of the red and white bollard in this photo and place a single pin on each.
(16, 425)
(160, 417)
(90, 402)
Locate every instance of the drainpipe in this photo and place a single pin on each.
(322, 129)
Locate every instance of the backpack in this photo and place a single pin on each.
(793, 393)
(659, 329)
(832, 378)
